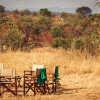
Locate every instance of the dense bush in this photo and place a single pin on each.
(61, 42)
(77, 44)
(64, 14)
(12, 39)
(45, 12)
(4, 21)
(2, 8)
(69, 31)
(16, 11)
(25, 12)
(44, 20)
(82, 44)
(15, 38)
(42, 24)
(84, 11)
(57, 31)
(26, 24)
(68, 44)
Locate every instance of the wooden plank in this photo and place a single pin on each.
(12, 91)
(1, 68)
(24, 84)
(6, 82)
(29, 82)
(13, 82)
(16, 85)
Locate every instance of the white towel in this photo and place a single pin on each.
(34, 67)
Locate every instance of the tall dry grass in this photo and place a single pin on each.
(71, 63)
(68, 61)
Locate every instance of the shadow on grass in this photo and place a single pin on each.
(62, 90)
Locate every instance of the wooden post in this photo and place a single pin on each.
(31, 73)
(55, 88)
(24, 83)
(16, 85)
(0, 87)
(0, 90)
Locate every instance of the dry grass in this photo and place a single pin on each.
(69, 62)
(76, 71)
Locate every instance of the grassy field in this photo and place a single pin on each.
(79, 73)
(68, 62)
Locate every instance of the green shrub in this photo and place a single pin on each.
(25, 12)
(41, 25)
(64, 14)
(38, 28)
(4, 21)
(57, 31)
(58, 42)
(90, 48)
(77, 44)
(13, 38)
(86, 44)
(45, 12)
(25, 20)
(68, 44)
(2, 9)
(16, 11)
(44, 20)
(95, 37)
